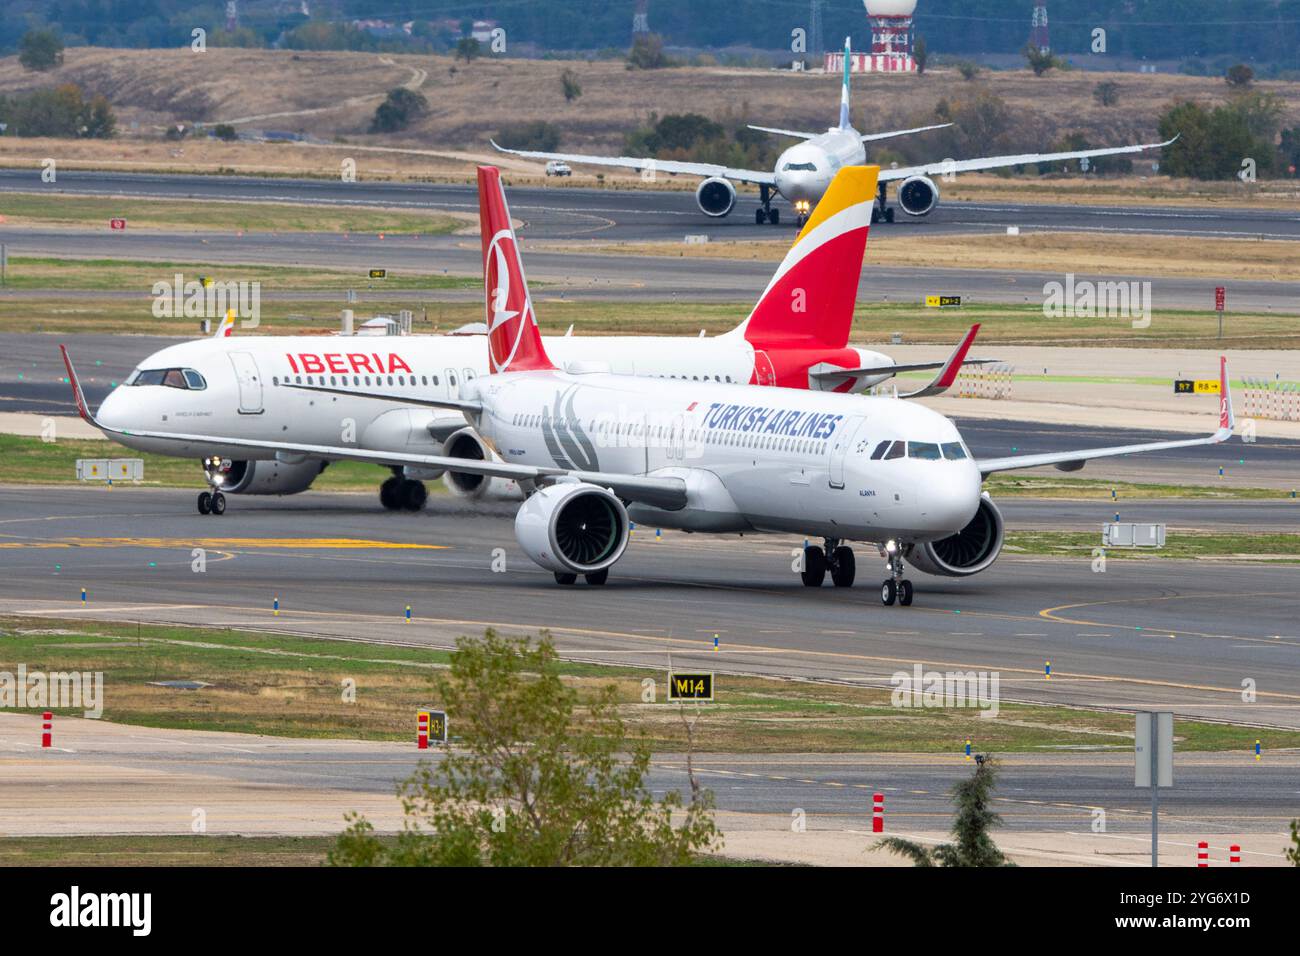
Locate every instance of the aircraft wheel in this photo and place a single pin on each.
(390, 494)
(814, 567)
(205, 502)
(218, 503)
(598, 578)
(889, 214)
(760, 216)
(844, 567)
(413, 495)
(888, 592)
(563, 578)
(774, 217)
(905, 593)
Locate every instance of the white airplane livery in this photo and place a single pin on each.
(595, 451)
(804, 172)
(796, 336)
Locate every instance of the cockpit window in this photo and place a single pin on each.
(896, 450)
(880, 451)
(182, 378)
(924, 450)
(953, 451)
(799, 168)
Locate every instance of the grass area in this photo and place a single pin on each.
(188, 215)
(1081, 253)
(184, 850)
(1008, 486)
(25, 460)
(1183, 544)
(290, 686)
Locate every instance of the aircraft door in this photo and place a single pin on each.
(841, 443)
(250, 382)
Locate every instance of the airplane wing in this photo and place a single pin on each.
(782, 132)
(949, 166)
(1074, 460)
(890, 134)
(669, 493)
(672, 166)
(948, 368)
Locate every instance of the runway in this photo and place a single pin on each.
(624, 215)
(1181, 635)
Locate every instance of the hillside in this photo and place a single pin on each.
(333, 94)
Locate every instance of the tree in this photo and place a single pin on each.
(533, 782)
(537, 135)
(1292, 853)
(647, 52)
(468, 49)
(1040, 61)
(920, 53)
(1106, 93)
(1213, 144)
(225, 132)
(968, 69)
(974, 846)
(62, 111)
(398, 110)
(41, 50)
(1239, 77)
(570, 85)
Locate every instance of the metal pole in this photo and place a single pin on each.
(1155, 790)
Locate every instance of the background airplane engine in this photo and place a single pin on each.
(467, 444)
(716, 197)
(264, 477)
(918, 196)
(969, 551)
(573, 528)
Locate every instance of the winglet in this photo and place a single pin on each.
(948, 373)
(226, 326)
(1227, 420)
(77, 395)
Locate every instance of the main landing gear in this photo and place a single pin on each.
(595, 578)
(212, 503)
(402, 494)
(835, 558)
(896, 588)
(765, 212)
(882, 209)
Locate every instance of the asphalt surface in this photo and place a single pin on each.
(622, 216)
(1154, 633)
(646, 215)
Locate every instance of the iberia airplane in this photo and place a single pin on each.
(796, 336)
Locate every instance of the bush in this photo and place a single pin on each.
(1040, 61)
(538, 136)
(398, 110)
(41, 50)
(647, 52)
(1106, 93)
(1239, 77)
(224, 131)
(62, 111)
(1212, 143)
(570, 85)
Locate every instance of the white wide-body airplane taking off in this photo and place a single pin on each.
(796, 336)
(805, 171)
(595, 451)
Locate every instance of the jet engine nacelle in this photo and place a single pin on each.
(918, 196)
(969, 551)
(573, 528)
(716, 197)
(466, 443)
(263, 477)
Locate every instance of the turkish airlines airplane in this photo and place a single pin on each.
(595, 451)
(805, 171)
(796, 336)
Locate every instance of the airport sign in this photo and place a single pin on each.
(692, 686)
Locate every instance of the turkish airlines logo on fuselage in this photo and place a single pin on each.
(509, 306)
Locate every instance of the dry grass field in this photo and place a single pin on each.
(330, 97)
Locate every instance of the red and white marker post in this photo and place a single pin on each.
(1234, 855)
(1202, 854)
(422, 730)
(47, 730)
(877, 813)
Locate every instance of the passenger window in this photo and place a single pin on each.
(897, 450)
(924, 450)
(953, 451)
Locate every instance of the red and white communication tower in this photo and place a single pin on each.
(1039, 37)
(891, 40)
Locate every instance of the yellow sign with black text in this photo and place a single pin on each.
(379, 273)
(943, 302)
(690, 686)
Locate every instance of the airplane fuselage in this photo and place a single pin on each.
(805, 170)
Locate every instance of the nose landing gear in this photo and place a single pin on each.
(212, 503)
(896, 588)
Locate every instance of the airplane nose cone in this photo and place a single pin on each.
(114, 411)
(950, 502)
